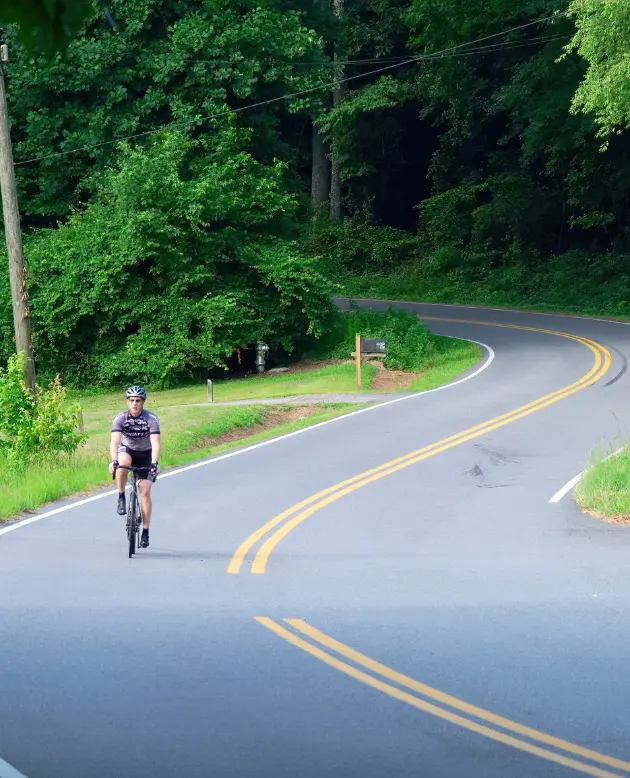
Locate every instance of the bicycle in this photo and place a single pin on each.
(133, 524)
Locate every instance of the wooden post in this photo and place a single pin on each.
(81, 424)
(358, 361)
(210, 391)
(13, 236)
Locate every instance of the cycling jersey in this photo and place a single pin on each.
(136, 430)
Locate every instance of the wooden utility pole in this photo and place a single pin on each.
(17, 271)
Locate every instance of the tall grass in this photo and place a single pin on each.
(604, 488)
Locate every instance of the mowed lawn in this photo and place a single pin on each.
(450, 358)
(331, 379)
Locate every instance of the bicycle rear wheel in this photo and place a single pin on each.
(132, 520)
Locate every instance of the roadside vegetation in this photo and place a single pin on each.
(552, 286)
(188, 434)
(421, 359)
(453, 267)
(44, 455)
(604, 489)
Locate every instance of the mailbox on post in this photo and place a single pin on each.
(367, 347)
(373, 347)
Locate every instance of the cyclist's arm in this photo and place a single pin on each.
(113, 445)
(155, 446)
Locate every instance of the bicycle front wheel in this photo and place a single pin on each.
(132, 519)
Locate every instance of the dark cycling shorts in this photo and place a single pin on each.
(138, 459)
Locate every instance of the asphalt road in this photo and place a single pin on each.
(491, 624)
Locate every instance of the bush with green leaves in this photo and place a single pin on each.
(410, 345)
(360, 247)
(184, 256)
(34, 427)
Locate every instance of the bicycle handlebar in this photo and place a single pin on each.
(133, 470)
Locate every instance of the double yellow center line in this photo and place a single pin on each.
(288, 520)
(442, 705)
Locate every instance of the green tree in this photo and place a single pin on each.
(183, 255)
(169, 62)
(603, 40)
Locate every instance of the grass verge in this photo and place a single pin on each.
(331, 379)
(189, 434)
(450, 358)
(427, 360)
(604, 489)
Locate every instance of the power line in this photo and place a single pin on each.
(290, 96)
(479, 50)
(497, 47)
(372, 60)
(384, 60)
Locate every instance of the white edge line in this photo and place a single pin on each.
(570, 484)
(6, 771)
(566, 488)
(255, 446)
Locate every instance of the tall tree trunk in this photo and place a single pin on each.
(338, 95)
(320, 176)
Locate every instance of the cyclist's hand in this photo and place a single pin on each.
(112, 466)
(155, 469)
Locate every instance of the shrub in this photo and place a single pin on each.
(30, 427)
(410, 345)
(180, 258)
(356, 247)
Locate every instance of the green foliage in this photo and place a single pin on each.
(446, 218)
(475, 173)
(574, 282)
(603, 40)
(410, 345)
(604, 488)
(28, 428)
(168, 62)
(351, 122)
(172, 266)
(354, 246)
(16, 402)
(46, 26)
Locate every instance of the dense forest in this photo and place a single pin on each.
(194, 175)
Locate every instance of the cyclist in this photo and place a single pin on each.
(135, 442)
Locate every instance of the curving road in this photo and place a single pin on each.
(388, 594)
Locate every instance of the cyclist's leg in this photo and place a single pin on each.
(121, 480)
(147, 504)
(124, 459)
(143, 459)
